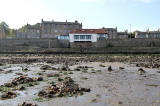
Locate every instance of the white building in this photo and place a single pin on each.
(87, 35)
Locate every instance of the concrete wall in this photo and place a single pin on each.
(128, 43)
(39, 44)
(28, 35)
(21, 44)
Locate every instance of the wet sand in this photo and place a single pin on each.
(120, 87)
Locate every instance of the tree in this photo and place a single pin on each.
(23, 29)
(4, 26)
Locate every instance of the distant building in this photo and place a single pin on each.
(33, 31)
(30, 32)
(2, 33)
(53, 29)
(87, 35)
(147, 34)
(122, 35)
(112, 32)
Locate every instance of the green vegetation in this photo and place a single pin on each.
(9, 32)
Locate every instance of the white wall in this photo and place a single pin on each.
(93, 37)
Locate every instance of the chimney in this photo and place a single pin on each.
(76, 21)
(147, 30)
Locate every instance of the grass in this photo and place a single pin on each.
(4, 89)
(154, 85)
(39, 99)
(85, 71)
(65, 73)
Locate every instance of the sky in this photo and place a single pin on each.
(141, 14)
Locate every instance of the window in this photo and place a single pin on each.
(55, 30)
(101, 35)
(45, 28)
(76, 36)
(50, 28)
(88, 36)
(82, 36)
(55, 26)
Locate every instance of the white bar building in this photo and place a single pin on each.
(87, 35)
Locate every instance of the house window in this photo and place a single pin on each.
(76, 36)
(45, 28)
(50, 29)
(55, 30)
(88, 36)
(101, 35)
(82, 36)
(55, 26)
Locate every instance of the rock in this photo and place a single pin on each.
(94, 101)
(101, 65)
(8, 95)
(85, 89)
(28, 104)
(110, 68)
(47, 67)
(22, 88)
(77, 69)
(40, 79)
(22, 80)
(65, 88)
(141, 71)
(19, 74)
(50, 75)
(121, 68)
(1, 64)
(1, 70)
(8, 85)
(64, 68)
(60, 79)
(120, 102)
(9, 71)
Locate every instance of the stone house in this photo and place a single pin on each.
(122, 35)
(53, 29)
(31, 32)
(112, 32)
(147, 34)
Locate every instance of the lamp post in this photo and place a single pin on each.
(130, 31)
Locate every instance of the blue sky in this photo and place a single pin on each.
(141, 14)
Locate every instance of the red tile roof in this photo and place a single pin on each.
(88, 31)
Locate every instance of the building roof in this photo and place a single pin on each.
(149, 32)
(89, 31)
(36, 26)
(56, 22)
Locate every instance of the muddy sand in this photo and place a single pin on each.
(124, 85)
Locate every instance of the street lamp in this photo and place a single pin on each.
(130, 31)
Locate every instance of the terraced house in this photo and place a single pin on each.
(148, 34)
(29, 32)
(61, 30)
